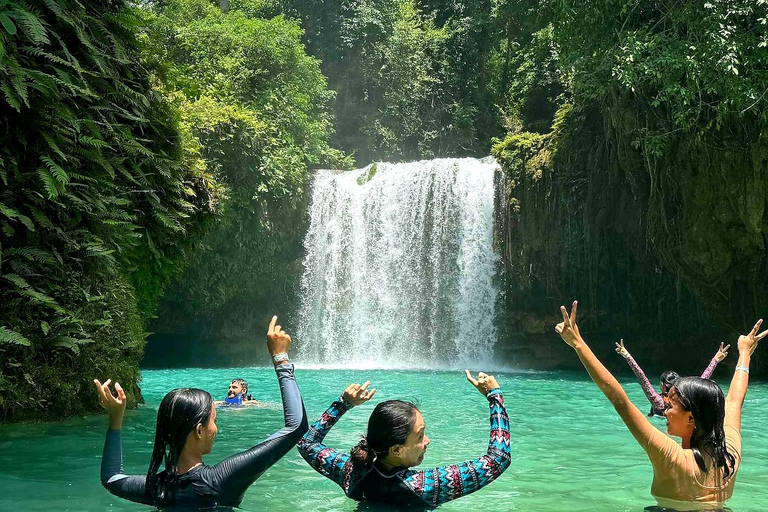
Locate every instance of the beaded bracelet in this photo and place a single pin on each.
(741, 368)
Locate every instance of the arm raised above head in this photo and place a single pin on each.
(642, 429)
(445, 483)
(740, 381)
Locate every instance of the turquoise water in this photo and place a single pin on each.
(570, 450)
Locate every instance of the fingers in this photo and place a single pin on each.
(559, 328)
(470, 379)
(365, 386)
(120, 392)
(573, 312)
(271, 329)
(367, 395)
(756, 327)
(762, 335)
(725, 350)
(566, 320)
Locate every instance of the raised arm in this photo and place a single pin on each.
(738, 389)
(657, 401)
(445, 483)
(722, 352)
(643, 431)
(235, 474)
(327, 461)
(112, 477)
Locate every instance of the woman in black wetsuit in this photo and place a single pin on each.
(186, 429)
(378, 468)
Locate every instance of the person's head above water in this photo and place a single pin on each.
(697, 412)
(395, 436)
(668, 380)
(186, 418)
(238, 387)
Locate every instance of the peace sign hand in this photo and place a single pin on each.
(748, 343)
(567, 329)
(623, 352)
(115, 406)
(484, 383)
(355, 394)
(722, 352)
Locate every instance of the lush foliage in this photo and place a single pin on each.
(96, 198)
(655, 169)
(254, 108)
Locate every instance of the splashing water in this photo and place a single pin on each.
(399, 267)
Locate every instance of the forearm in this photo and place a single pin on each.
(600, 375)
(475, 474)
(710, 369)
(326, 461)
(740, 381)
(112, 477)
(656, 399)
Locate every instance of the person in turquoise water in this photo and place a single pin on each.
(700, 474)
(667, 379)
(186, 429)
(378, 469)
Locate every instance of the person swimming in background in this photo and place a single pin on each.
(667, 379)
(186, 430)
(700, 474)
(238, 392)
(378, 469)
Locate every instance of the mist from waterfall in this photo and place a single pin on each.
(399, 266)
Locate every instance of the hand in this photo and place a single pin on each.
(623, 352)
(748, 343)
(115, 406)
(355, 394)
(567, 329)
(277, 339)
(484, 383)
(722, 352)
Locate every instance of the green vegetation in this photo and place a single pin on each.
(648, 198)
(155, 161)
(96, 199)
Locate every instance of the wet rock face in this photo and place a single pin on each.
(669, 245)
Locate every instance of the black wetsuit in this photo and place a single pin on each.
(225, 483)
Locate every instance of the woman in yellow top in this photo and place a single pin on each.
(700, 474)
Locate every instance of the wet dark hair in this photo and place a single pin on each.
(180, 412)
(704, 399)
(669, 378)
(389, 425)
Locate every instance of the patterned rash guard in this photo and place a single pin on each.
(224, 484)
(406, 487)
(658, 405)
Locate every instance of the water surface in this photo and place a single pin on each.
(570, 451)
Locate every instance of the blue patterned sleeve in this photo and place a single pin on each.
(328, 462)
(445, 483)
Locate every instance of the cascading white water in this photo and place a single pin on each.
(399, 267)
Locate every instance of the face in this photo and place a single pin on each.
(412, 452)
(206, 434)
(679, 421)
(234, 390)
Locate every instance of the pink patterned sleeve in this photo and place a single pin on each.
(656, 399)
(710, 369)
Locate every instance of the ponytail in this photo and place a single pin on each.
(362, 457)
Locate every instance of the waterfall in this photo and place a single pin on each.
(399, 266)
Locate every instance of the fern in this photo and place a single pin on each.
(12, 337)
(49, 182)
